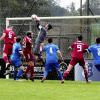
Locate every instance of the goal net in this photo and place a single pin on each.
(65, 29)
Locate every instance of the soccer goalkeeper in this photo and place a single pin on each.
(41, 35)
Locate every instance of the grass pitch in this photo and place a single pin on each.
(49, 90)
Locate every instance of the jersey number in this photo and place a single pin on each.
(98, 51)
(10, 35)
(79, 47)
(50, 50)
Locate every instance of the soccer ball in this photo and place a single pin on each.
(34, 16)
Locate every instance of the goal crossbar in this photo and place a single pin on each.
(56, 17)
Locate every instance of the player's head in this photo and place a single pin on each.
(10, 27)
(80, 37)
(48, 26)
(29, 34)
(50, 40)
(98, 40)
(18, 39)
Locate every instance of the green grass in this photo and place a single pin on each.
(49, 90)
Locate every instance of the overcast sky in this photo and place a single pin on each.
(64, 3)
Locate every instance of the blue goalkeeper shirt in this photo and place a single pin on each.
(95, 50)
(51, 53)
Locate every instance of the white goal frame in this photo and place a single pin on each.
(56, 17)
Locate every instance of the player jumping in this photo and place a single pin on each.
(41, 35)
(9, 38)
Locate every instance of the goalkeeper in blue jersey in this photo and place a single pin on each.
(41, 35)
(95, 50)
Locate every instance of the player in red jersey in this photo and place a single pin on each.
(79, 48)
(30, 59)
(9, 38)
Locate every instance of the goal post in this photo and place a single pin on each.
(65, 28)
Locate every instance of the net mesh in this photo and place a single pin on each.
(64, 31)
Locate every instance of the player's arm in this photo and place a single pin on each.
(42, 48)
(60, 54)
(14, 39)
(71, 46)
(24, 43)
(87, 49)
(3, 36)
(37, 21)
(21, 52)
(38, 25)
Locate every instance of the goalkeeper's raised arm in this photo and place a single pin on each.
(42, 33)
(37, 21)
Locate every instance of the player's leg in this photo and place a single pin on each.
(46, 71)
(27, 71)
(41, 49)
(7, 50)
(7, 67)
(56, 65)
(66, 73)
(38, 51)
(19, 74)
(20, 70)
(36, 48)
(30, 58)
(15, 70)
(85, 73)
(28, 67)
(31, 65)
(82, 63)
(16, 63)
(5, 57)
(69, 68)
(15, 73)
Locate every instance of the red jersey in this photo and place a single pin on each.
(78, 49)
(9, 38)
(27, 42)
